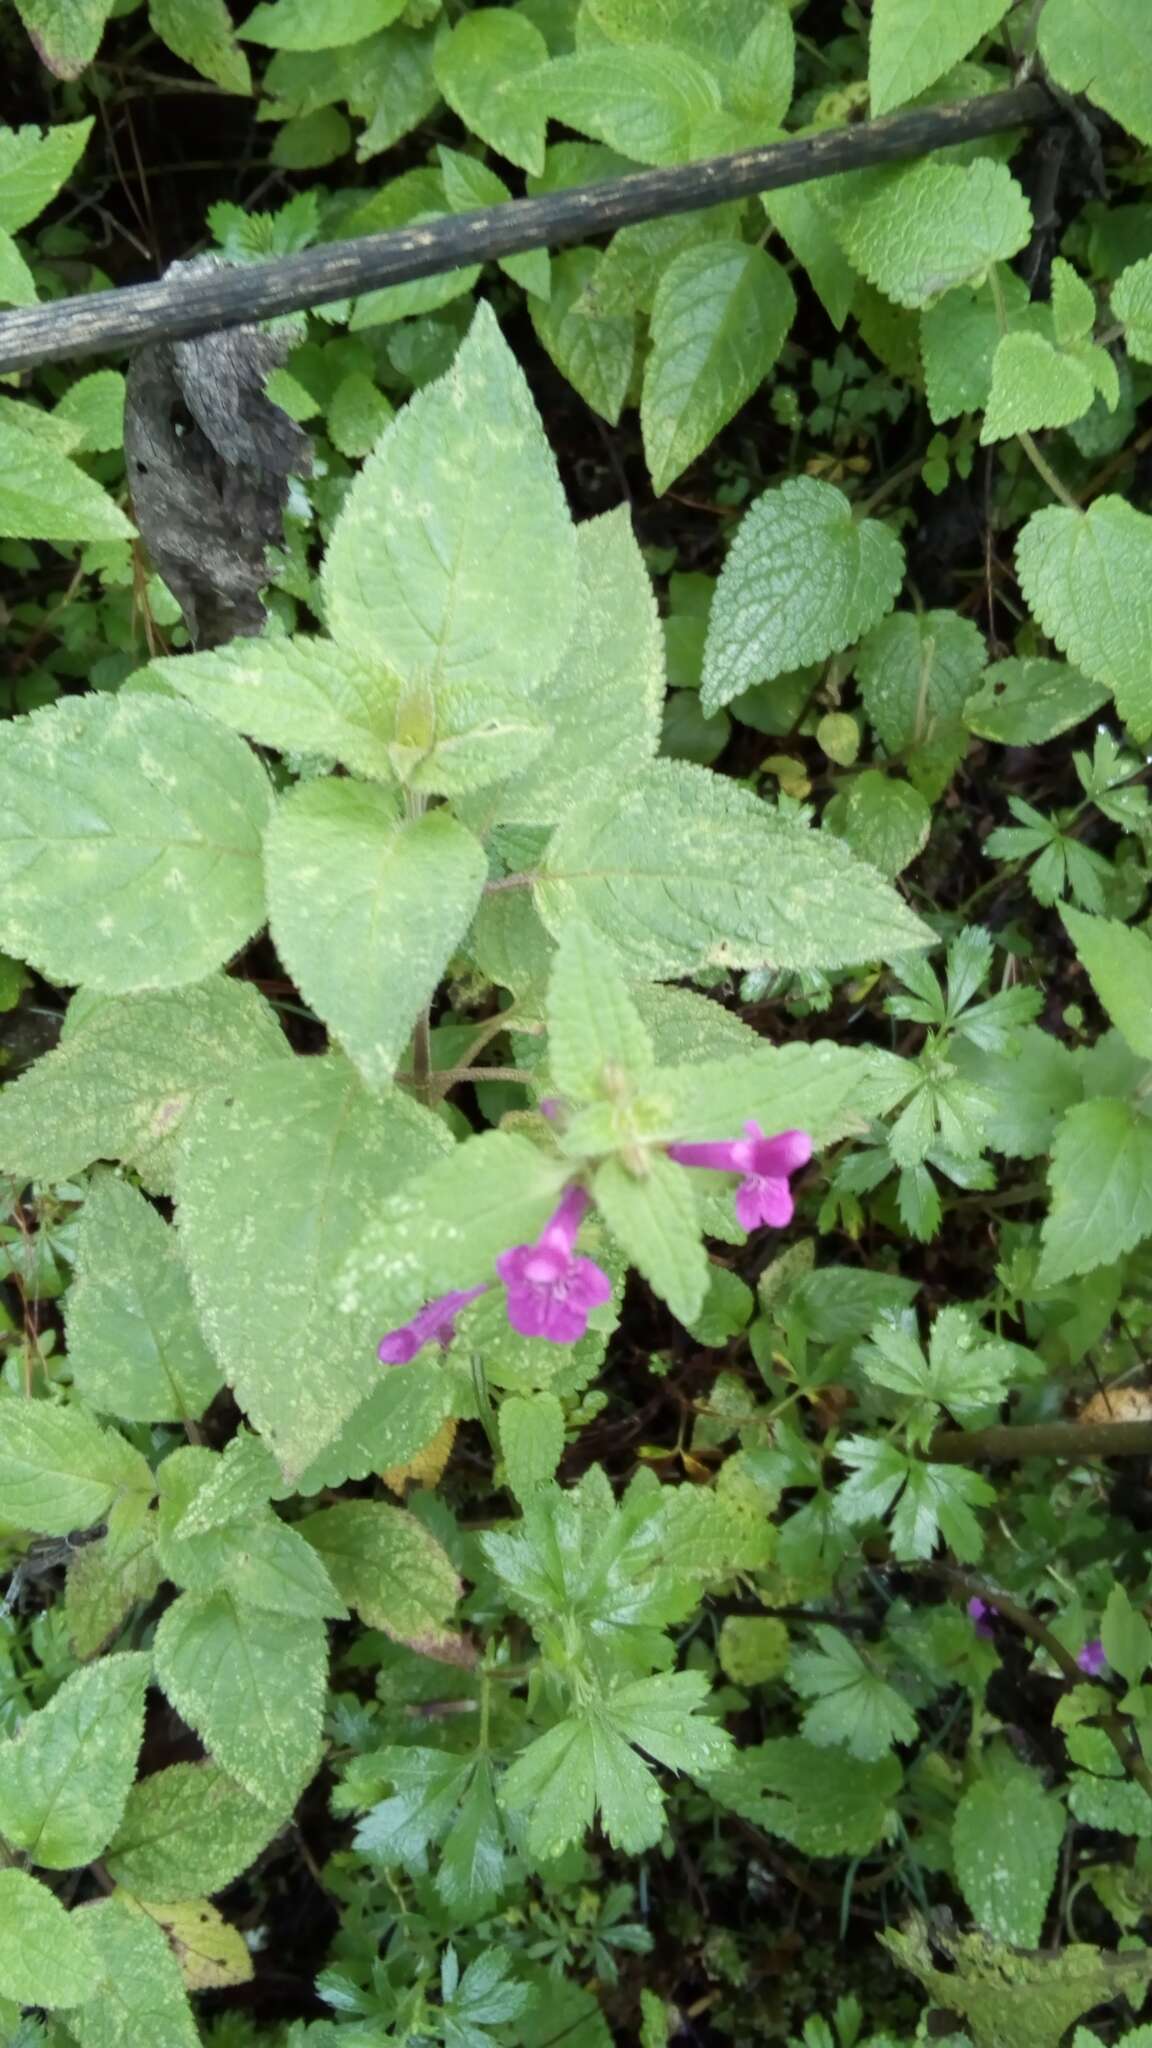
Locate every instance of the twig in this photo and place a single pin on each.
(1005, 1442)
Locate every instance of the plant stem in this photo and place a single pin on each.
(1044, 469)
(1004, 1442)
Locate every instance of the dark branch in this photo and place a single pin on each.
(177, 308)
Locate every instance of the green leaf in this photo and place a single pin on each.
(1006, 1838)
(916, 671)
(396, 1420)
(918, 232)
(298, 695)
(297, 25)
(486, 69)
(959, 338)
(134, 1344)
(468, 183)
(201, 32)
(532, 1440)
(803, 580)
(721, 317)
(277, 1174)
(798, 216)
(1119, 964)
(1022, 703)
(1101, 47)
(59, 1470)
(126, 1074)
(1132, 303)
(141, 2002)
(825, 1089)
(643, 101)
(131, 849)
(33, 167)
(594, 350)
(251, 1684)
(1034, 385)
(17, 288)
(1087, 578)
(66, 33)
(109, 1577)
(854, 1707)
(1027, 1092)
(595, 1036)
(671, 872)
(1101, 1188)
(471, 1877)
(357, 414)
(95, 406)
(963, 1372)
(628, 276)
(234, 1486)
(1008, 1997)
(753, 1648)
(188, 1831)
(419, 576)
(929, 1499)
(257, 1558)
(884, 821)
(1126, 1637)
(43, 496)
(655, 1222)
(822, 1801)
(65, 1777)
(387, 1566)
(914, 42)
(47, 1956)
(366, 908)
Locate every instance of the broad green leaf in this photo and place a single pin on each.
(753, 1648)
(298, 695)
(468, 183)
(531, 1439)
(1007, 1997)
(1006, 1838)
(1022, 703)
(251, 1684)
(141, 2001)
(959, 338)
(594, 350)
(1126, 1637)
(655, 1221)
(257, 1558)
(1027, 1092)
(278, 1172)
(109, 1577)
(66, 33)
(357, 414)
(628, 275)
(686, 1026)
(43, 496)
(487, 70)
(420, 575)
(1101, 47)
(188, 1831)
(126, 1074)
(1132, 303)
(803, 580)
(18, 288)
(1087, 578)
(885, 821)
(201, 32)
(854, 1707)
(59, 1470)
(94, 405)
(824, 1803)
(721, 317)
(47, 1956)
(914, 42)
(65, 1777)
(799, 217)
(1034, 385)
(134, 1344)
(1101, 1184)
(595, 1036)
(239, 1482)
(396, 1420)
(301, 25)
(130, 847)
(918, 232)
(387, 1566)
(643, 101)
(366, 908)
(1119, 963)
(916, 671)
(615, 660)
(33, 167)
(671, 872)
(717, 36)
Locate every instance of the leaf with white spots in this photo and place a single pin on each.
(1102, 48)
(300, 695)
(65, 33)
(387, 1566)
(46, 1955)
(65, 1777)
(1006, 1837)
(189, 1830)
(130, 832)
(141, 2001)
(251, 1683)
(60, 1471)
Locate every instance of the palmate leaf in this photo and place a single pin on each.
(440, 1797)
(823, 1801)
(853, 1707)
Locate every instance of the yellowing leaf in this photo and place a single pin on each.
(426, 1466)
(211, 1953)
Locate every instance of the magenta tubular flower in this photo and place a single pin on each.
(1092, 1661)
(767, 1165)
(978, 1612)
(551, 1288)
(434, 1324)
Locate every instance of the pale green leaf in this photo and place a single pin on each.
(721, 317)
(801, 220)
(1027, 1092)
(1101, 1186)
(885, 821)
(239, 1482)
(65, 1777)
(1126, 1637)
(671, 871)
(916, 233)
(825, 1089)
(141, 2001)
(43, 496)
(125, 1075)
(59, 1470)
(914, 42)
(1101, 47)
(644, 101)
(1132, 303)
(1022, 703)
(717, 35)
(109, 1577)
(824, 1802)
(853, 1706)
(278, 1172)
(594, 350)
(1006, 1838)
(130, 842)
(17, 288)
(257, 1558)
(916, 671)
(201, 32)
(531, 1440)
(486, 69)
(298, 695)
(66, 33)
(357, 414)
(654, 1220)
(1119, 963)
(251, 1684)
(468, 183)
(803, 580)
(1087, 578)
(1034, 385)
(595, 1036)
(301, 25)
(188, 1831)
(387, 1566)
(396, 1420)
(95, 406)
(33, 167)
(47, 1956)
(959, 338)
(134, 1344)
(454, 555)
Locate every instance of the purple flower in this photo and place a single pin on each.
(1092, 1660)
(767, 1164)
(434, 1324)
(979, 1611)
(551, 1289)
